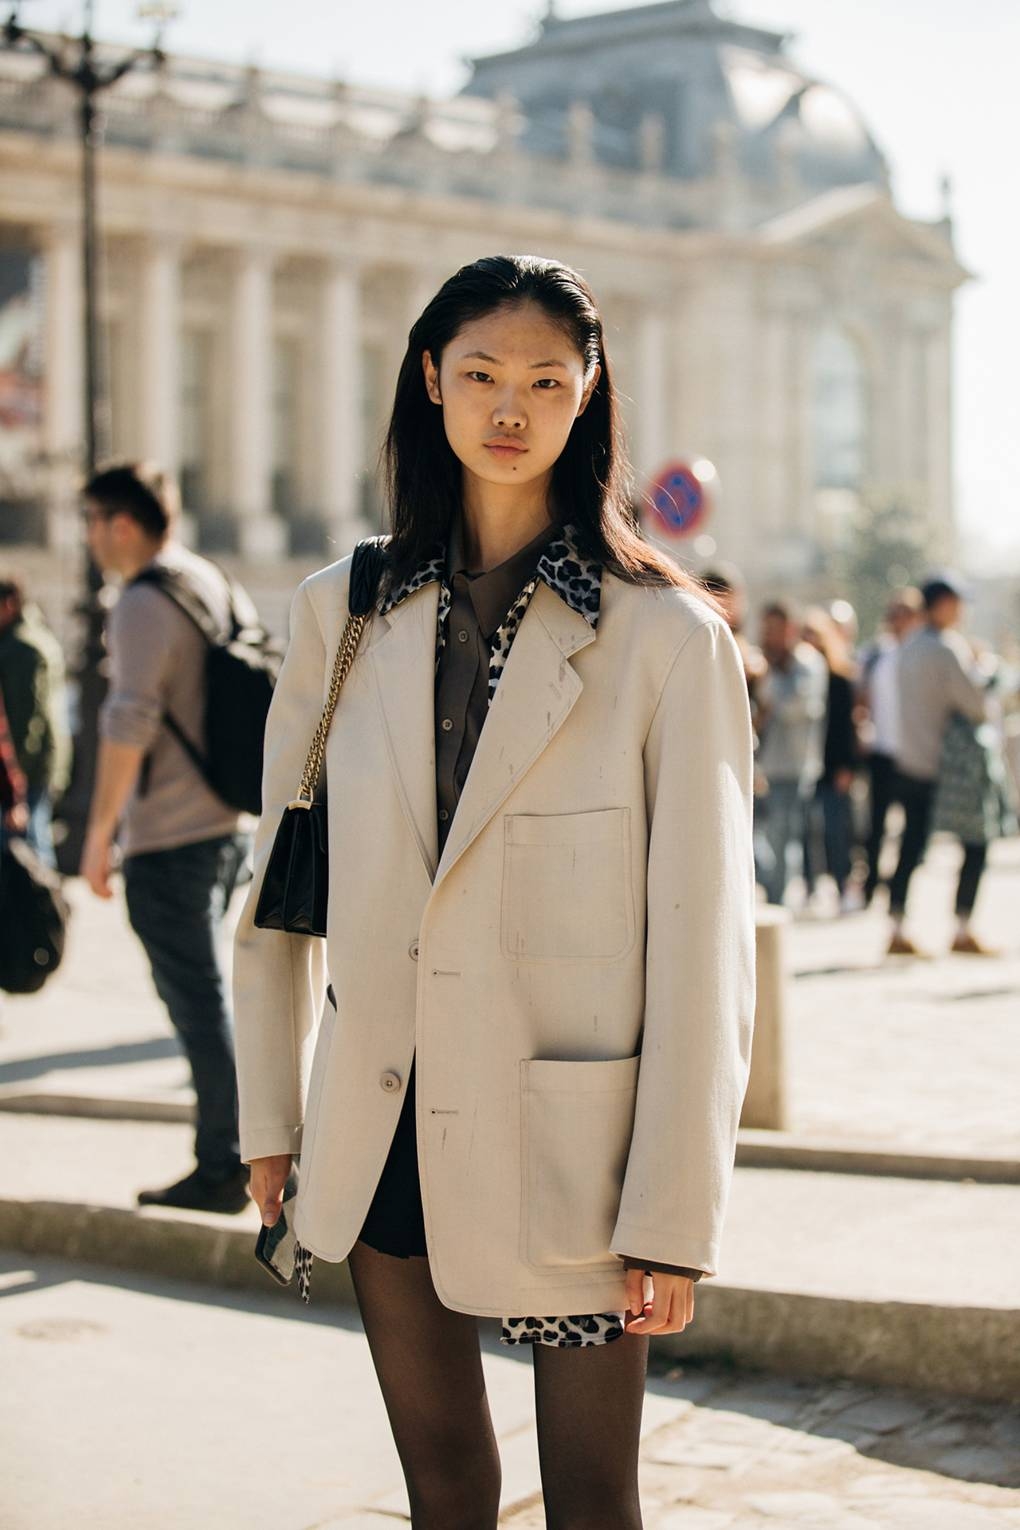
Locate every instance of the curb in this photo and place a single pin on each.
(756, 1149)
(776, 1150)
(963, 1351)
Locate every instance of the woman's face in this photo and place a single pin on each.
(511, 385)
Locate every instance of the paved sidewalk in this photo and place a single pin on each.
(918, 1056)
(855, 1275)
(826, 1274)
(179, 1406)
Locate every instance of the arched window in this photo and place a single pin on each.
(839, 412)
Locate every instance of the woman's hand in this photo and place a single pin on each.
(671, 1306)
(268, 1177)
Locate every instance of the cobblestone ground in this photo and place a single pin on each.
(766, 1453)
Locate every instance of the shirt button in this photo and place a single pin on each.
(447, 724)
(462, 637)
(390, 1082)
(412, 950)
(443, 814)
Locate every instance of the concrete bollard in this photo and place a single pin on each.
(765, 1102)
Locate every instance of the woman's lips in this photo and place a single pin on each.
(505, 449)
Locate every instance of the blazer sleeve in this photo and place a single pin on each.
(699, 959)
(279, 978)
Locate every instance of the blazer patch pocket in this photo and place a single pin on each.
(577, 1119)
(567, 890)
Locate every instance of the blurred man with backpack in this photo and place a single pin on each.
(179, 837)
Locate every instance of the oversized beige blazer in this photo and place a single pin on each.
(575, 976)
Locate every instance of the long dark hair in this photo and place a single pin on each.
(591, 480)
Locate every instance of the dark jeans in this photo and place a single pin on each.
(176, 900)
(837, 836)
(786, 823)
(884, 792)
(917, 798)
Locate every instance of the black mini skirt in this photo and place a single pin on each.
(395, 1223)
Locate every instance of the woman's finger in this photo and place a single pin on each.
(654, 1313)
(269, 1198)
(634, 1283)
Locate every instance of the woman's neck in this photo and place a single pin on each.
(498, 521)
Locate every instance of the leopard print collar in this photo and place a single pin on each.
(568, 572)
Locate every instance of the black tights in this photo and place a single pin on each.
(587, 1404)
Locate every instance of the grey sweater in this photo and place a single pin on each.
(935, 673)
(157, 665)
(793, 705)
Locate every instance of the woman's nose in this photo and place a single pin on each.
(509, 415)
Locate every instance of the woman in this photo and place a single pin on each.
(841, 759)
(527, 1094)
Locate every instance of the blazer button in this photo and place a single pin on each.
(390, 1082)
(412, 950)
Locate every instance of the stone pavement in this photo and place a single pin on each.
(755, 1453)
(922, 1055)
(172, 1406)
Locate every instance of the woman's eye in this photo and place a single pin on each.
(547, 383)
(480, 376)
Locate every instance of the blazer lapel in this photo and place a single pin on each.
(403, 655)
(535, 694)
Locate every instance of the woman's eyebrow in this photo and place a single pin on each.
(535, 365)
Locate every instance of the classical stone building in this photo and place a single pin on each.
(269, 238)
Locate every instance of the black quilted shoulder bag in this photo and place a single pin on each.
(295, 887)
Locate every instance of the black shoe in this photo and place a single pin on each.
(196, 1192)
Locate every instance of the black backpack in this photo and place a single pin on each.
(241, 667)
(33, 919)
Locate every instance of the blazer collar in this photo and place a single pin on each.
(569, 573)
(536, 692)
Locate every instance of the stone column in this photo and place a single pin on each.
(64, 423)
(160, 352)
(261, 535)
(341, 432)
(939, 476)
(765, 1104)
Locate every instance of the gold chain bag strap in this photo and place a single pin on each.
(295, 887)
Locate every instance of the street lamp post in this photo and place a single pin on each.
(75, 62)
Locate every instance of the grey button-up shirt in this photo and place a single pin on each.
(478, 604)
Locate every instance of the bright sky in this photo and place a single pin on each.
(936, 80)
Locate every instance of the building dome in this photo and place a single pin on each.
(703, 78)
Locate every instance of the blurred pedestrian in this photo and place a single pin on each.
(879, 699)
(181, 846)
(793, 698)
(33, 686)
(938, 681)
(13, 788)
(726, 583)
(840, 755)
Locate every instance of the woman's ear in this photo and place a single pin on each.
(589, 389)
(431, 377)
